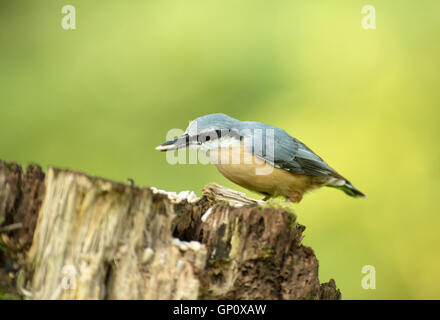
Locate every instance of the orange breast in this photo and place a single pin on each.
(252, 173)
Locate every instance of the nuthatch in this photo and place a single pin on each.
(260, 157)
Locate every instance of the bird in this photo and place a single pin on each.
(260, 157)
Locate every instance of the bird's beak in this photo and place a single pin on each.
(181, 142)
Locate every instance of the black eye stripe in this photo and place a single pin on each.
(216, 134)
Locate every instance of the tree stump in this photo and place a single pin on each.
(66, 235)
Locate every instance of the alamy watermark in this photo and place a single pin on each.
(369, 280)
(68, 282)
(369, 19)
(254, 147)
(68, 21)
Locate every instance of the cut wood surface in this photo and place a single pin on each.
(67, 235)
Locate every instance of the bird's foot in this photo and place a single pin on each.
(294, 196)
(281, 202)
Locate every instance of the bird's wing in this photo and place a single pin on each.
(292, 155)
(303, 161)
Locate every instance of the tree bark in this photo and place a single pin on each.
(66, 235)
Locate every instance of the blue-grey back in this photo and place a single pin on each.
(271, 144)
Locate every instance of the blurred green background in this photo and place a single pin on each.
(100, 98)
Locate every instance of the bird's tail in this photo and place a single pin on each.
(346, 186)
(351, 191)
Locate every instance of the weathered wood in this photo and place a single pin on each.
(218, 193)
(98, 239)
(21, 194)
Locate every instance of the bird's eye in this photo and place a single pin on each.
(207, 138)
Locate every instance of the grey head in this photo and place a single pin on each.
(205, 133)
